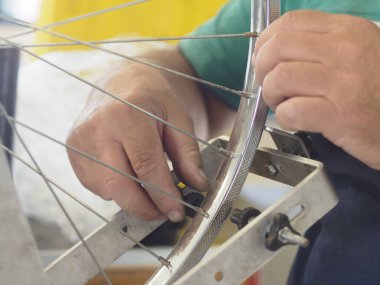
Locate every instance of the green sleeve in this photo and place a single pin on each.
(223, 61)
(369, 9)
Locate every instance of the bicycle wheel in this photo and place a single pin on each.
(232, 173)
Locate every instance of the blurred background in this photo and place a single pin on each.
(27, 10)
(170, 17)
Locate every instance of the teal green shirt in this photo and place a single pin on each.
(223, 61)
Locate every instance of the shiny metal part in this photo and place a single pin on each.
(281, 233)
(244, 253)
(271, 169)
(287, 236)
(288, 143)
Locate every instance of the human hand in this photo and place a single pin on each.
(320, 73)
(136, 144)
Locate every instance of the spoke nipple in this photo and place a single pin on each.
(227, 153)
(247, 95)
(251, 34)
(165, 262)
(202, 212)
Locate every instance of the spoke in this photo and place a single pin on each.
(153, 65)
(67, 193)
(136, 40)
(120, 99)
(94, 159)
(81, 17)
(68, 217)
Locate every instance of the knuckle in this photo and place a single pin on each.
(269, 87)
(164, 203)
(279, 40)
(162, 200)
(288, 118)
(190, 148)
(88, 183)
(350, 52)
(290, 18)
(104, 195)
(258, 44)
(144, 164)
(259, 67)
(280, 74)
(74, 137)
(275, 81)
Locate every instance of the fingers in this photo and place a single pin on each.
(109, 184)
(291, 62)
(184, 153)
(290, 46)
(301, 20)
(315, 114)
(148, 161)
(130, 142)
(318, 77)
(289, 79)
(128, 194)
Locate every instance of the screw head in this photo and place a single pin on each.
(271, 169)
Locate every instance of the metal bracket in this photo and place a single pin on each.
(294, 144)
(75, 266)
(245, 253)
(19, 264)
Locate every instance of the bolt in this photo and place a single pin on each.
(271, 169)
(281, 233)
(289, 237)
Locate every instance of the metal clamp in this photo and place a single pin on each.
(246, 252)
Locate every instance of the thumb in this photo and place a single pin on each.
(184, 152)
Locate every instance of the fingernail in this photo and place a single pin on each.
(175, 216)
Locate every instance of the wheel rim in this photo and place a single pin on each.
(244, 141)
